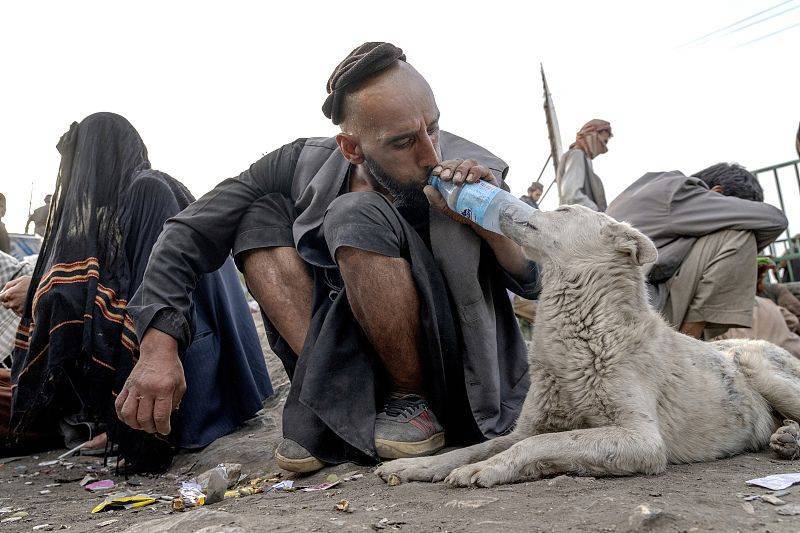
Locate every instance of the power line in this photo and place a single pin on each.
(737, 22)
(763, 20)
(770, 34)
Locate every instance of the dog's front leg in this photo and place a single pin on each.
(436, 467)
(602, 451)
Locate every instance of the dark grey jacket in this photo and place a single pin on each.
(200, 238)
(674, 210)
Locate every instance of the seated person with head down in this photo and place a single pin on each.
(708, 229)
(771, 322)
(76, 344)
(388, 310)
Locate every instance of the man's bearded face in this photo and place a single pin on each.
(407, 194)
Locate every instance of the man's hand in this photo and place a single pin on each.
(14, 293)
(464, 170)
(155, 386)
(460, 171)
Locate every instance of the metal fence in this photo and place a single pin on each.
(781, 184)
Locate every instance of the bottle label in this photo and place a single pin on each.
(474, 199)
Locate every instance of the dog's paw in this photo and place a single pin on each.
(415, 469)
(785, 442)
(483, 474)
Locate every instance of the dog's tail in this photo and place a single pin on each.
(774, 373)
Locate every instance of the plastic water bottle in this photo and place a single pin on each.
(480, 202)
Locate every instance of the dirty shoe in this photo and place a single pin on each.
(406, 427)
(294, 458)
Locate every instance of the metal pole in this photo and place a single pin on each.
(544, 167)
(780, 198)
(547, 191)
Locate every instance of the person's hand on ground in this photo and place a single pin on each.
(460, 171)
(155, 387)
(14, 293)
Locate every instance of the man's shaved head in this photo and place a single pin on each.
(389, 93)
(389, 121)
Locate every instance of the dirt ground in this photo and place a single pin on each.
(698, 497)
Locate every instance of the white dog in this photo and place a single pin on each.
(615, 390)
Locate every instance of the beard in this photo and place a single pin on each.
(408, 197)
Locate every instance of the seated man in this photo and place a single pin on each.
(782, 297)
(391, 318)
(708, 229)
(10, 270)
(12, 298)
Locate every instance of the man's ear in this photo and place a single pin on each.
(718, 188)
(350, 148)
(633, 243)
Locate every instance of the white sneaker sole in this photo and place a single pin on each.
(389, 449)
(301, 466)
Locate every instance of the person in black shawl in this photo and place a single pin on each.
(76, 343)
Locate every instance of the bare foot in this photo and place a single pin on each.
(785, 442)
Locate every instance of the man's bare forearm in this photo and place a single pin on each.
(508, 253)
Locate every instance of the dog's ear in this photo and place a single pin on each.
(633, 243)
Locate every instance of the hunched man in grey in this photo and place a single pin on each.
(388, 310)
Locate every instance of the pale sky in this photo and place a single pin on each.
(211, 86)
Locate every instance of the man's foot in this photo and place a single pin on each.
(406, 427)
(294, 458)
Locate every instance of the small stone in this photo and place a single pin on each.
(748, 508)
(107, 523)
(774, 500)
(470, 504)
(393, 480)
(645, 517)
(789, 510)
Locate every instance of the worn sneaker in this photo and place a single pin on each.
(406, 427)
(294, 458)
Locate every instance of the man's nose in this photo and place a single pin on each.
(427, 156)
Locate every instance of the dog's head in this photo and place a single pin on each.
(576, 235)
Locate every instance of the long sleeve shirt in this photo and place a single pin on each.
(674, 210)
(577, 182)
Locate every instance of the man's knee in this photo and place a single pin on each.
(363, 221)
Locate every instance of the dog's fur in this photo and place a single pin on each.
(615, 390)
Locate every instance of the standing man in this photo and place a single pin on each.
(534, 194)
(39, 217)
(388, 310)
(577, 182)
(5, 242)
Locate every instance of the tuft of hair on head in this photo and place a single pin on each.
(362, 63)
(734, 179)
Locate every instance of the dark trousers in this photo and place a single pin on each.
(337, 381)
